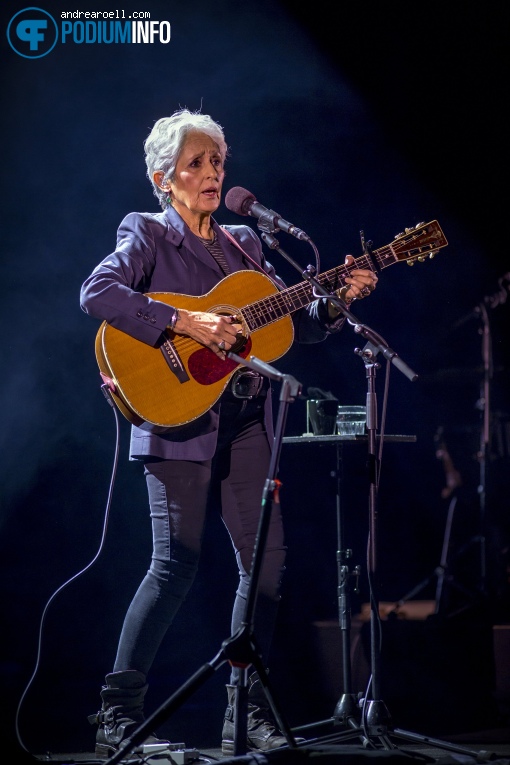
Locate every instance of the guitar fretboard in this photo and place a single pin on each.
(289, 300)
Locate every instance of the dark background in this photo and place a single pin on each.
(373, 118)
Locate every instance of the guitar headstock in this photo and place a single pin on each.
(418, 243)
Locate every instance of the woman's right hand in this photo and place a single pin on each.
(217, 332)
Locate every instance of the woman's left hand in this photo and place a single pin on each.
(360, 283)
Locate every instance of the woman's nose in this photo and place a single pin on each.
(212, 170)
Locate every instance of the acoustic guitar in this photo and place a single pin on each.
(180, 380)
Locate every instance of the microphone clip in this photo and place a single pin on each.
(270, 222)
(267, 222)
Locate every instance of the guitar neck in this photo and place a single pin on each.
(414, 244)
(291, 299)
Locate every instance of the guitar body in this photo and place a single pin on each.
(143, 381)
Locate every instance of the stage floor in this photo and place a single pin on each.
(483, 746)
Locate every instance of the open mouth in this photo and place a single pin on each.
(211, 192)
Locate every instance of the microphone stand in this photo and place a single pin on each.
(484, 405)
(240, 650)
(375, 730)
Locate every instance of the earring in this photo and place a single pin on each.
(168, 191)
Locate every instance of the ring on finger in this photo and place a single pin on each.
(221, 345)
(365, 291)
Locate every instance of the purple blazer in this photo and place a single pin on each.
(157, 252)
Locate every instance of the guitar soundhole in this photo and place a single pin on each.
(241, 339)
(239, 344)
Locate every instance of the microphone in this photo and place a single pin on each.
(242, 202)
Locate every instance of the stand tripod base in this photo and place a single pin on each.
(376, 733)
(377, 718)
(347, 708)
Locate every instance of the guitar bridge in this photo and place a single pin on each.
(173, 360)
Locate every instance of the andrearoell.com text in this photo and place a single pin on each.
(104, 15)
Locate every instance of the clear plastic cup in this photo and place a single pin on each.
(351, 420)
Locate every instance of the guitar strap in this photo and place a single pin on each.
(248, 257)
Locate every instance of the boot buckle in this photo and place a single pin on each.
(102, 717)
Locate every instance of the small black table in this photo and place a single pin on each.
(346, 707)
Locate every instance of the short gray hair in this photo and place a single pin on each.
(165, 141)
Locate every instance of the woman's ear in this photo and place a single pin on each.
(158, 178)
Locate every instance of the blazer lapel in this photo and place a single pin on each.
(180, 234)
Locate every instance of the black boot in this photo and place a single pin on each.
(122, 713)
(263, 733)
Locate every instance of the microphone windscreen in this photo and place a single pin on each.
(236, 199)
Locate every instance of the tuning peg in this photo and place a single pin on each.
(398, 236)
(421, 258)
(432, 254)
(408, 230)
(418, 225)
(410, 262)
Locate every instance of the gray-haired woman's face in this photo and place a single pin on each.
(198, 178)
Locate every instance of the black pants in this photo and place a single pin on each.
(178, 495)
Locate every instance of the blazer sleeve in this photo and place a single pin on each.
(114, 290)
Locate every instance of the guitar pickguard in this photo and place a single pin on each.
(207, 368)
